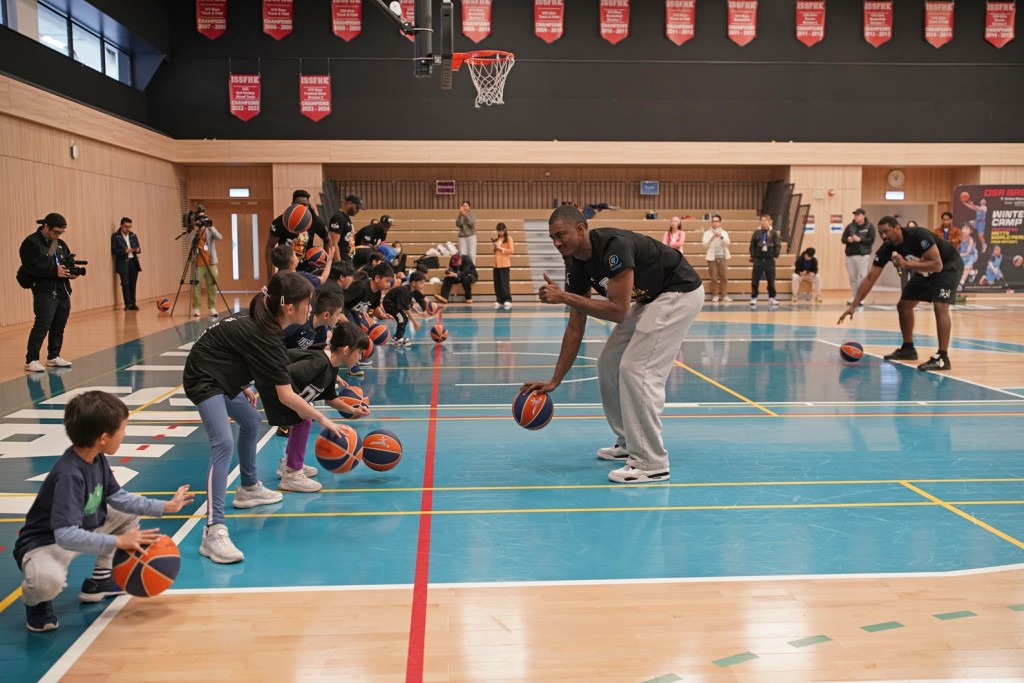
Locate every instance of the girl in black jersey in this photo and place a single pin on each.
(223, 362)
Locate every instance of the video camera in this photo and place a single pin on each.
(72, 265)
(196, 218)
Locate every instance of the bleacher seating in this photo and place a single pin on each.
(418, 231)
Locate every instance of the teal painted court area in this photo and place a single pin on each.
(785, 461)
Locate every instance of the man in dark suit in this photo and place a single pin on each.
(124, 245)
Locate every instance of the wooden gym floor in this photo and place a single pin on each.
(825, 521)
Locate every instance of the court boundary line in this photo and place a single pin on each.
(724, 388)
(952, 507)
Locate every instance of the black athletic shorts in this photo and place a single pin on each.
(936, 287)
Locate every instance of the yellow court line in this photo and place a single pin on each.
(970, 518)
(726, 389)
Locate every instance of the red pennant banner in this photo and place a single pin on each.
(409, 14)
(680, 20)
(999, 21)
(212, 18)
(742, 21)
(278, 18)
(315, 96)
(244, 94)
(548, 19)
(938, 23)
(877, 22)
(476, 19)
(614, 20)
(347, 18)
(810, 21)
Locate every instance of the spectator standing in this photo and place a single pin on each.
(43, 255)
(675, 236)
(466, 223)
(765, 247)
(859, 238)
(716, 241)
(504, 247)
(947, 230)
(124, 245)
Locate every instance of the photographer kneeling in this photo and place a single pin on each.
(48, 266)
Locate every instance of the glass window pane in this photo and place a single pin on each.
(87, 47)
(53, 29)
(234, 246)
(117, 63)
(256, 247)
(110, 54)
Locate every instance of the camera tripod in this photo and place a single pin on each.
(191, 270)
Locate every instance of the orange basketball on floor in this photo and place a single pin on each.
(150, 572)
(533, 409)
(368, 351)
(381, 450)
(439, 333)
(379, 334)
(851, 351)
(351, 398)
(163, 305)
(297, 218)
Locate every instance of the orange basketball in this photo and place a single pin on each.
(965, 196)
(297, 218)
(150, 572)
(368, 351)
(163, 305)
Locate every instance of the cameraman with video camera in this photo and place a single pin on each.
(205, 250)
(47, 267)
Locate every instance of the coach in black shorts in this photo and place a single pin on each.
(935, 267)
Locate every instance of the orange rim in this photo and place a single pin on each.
(480, 57)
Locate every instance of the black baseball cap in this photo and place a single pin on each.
(856, 211)
(355, 199)
(53, 220)
(386, 219)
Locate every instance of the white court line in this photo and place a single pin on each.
(154, 368)
(89, 636)
(949, 378)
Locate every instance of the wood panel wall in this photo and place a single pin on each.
(208, 183)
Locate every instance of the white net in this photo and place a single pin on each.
(489, 71)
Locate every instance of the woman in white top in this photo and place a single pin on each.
(716, 241)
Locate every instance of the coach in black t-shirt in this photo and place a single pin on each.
(935, 266)
(340, 226)
(653, 296)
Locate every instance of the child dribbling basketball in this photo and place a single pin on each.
(314, 374)
(81, 509)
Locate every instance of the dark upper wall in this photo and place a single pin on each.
(579, 87)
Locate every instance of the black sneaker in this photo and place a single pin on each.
(96, 591)
(40, 618)
(282, 431)
(937, 362)
(902, 353)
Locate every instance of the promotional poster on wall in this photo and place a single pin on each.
(990, 218)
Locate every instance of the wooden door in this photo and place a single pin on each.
(244, 225)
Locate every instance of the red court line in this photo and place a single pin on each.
(418, 621)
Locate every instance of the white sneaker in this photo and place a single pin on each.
(632, 475)
(773, 303)
(57, 362)
(615, 452)
(195, 312)
(214, 313)
(507, 305)
(255, 496)
(497, 304)
(282, 468)
(714, 299)
(298, 481)
(753, 303)
(34, 366)
(218, 547)
(727, 300)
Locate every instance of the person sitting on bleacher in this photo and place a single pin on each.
(460, 271)
(806, 270)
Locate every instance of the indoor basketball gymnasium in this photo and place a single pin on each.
(831, 514)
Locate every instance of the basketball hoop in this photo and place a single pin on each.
(488, 69)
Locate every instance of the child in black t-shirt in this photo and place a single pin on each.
(328, 313)
(364, 296)
(398, 304)
(82, 509)
(314, 374)
(284, 259)
(230, 355)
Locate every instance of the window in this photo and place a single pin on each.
(86, 47)
(53, 30)
(70, 38)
